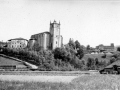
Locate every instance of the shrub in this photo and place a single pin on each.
(104, 56)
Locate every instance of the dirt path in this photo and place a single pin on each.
(37, 78)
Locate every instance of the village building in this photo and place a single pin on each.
(48, 40)
(42, 39)
(17, 43)
(113, 68)
(103, 48)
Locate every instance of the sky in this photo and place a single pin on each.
(91, 22)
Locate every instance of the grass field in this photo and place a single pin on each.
(99, 56)
(6, 85)
(97, 82)
(84, 82)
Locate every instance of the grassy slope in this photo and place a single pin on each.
(10, 62)
(7, 61)
(86, 82)
(107, 59)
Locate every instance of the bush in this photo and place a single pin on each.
(104, 56)
(112, 60)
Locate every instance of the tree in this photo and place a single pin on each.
(77, 44)
(118, 49)
(96, 63)
(91, 63)
(79, 48)
(80, 53)
(112, 60)
(71, 43)
(88, 47)
(104, 56)
(60, 53)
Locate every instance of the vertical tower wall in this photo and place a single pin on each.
(31, 43)
(55, 35)
(46, 41)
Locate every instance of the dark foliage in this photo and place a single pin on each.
(112, 60)
(104, 56)
(118, 49)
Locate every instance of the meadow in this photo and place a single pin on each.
(84, 82)
(99, 56)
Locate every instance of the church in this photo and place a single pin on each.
(48, 40)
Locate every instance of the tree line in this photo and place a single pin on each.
(67, 58)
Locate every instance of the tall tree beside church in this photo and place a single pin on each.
(79, 48)
(118, 49)
(77, 44)
(88, 47)
(71, 43)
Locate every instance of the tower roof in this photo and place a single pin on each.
(54, 21)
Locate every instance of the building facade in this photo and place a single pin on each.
(48, 40)
(110, 48)
(113, 68)
(17, 43)
(42, 39)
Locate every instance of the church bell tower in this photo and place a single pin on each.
(56, 38)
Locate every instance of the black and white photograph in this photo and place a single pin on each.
(59, 45)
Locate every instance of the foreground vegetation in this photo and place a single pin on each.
(84, 82)
(98, 82)
(7, 85)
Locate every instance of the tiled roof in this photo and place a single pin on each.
(41, 33)
(114, 63)
(18, 39)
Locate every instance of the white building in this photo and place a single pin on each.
(17, 43)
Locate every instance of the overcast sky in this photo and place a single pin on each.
(90, 22)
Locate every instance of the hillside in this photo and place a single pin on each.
(99, 56)
(7, 61)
